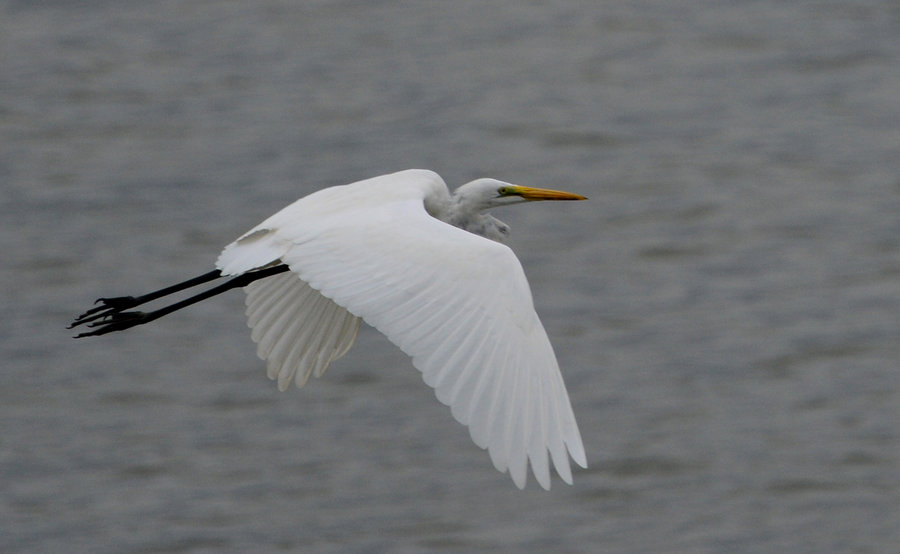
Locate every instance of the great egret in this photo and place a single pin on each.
(412, 260)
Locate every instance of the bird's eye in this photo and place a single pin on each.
(503, 191)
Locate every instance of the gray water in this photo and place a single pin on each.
(725, 308)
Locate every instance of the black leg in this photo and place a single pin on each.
(110, 316)
(109, 306)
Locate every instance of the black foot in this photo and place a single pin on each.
(115, 321)
(108, 307)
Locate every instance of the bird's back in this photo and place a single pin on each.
(379, 199)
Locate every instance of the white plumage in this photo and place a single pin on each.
(457, 303)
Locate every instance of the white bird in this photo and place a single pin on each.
(427, 269)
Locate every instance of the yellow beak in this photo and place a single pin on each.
(531, 193)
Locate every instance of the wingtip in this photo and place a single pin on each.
(579, 458)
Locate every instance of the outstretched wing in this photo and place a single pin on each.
(457, 303)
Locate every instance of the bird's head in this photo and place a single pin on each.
(484, 194)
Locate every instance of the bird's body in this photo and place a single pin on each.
(403, 254)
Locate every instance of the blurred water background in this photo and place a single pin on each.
(725, 308)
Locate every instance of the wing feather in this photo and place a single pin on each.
(292, 323)
(457, 303)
